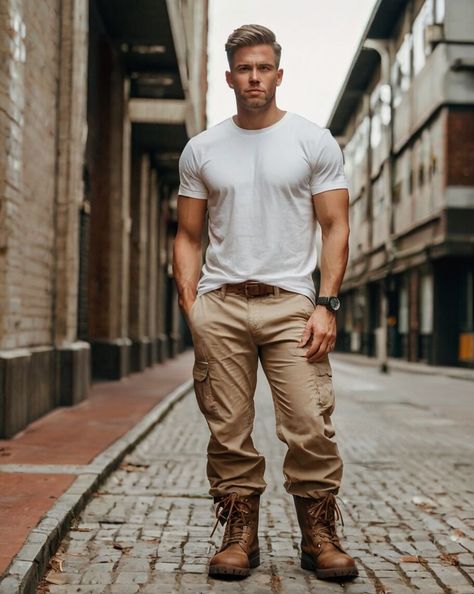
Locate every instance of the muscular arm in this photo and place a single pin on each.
(331, 209)
(187, 249)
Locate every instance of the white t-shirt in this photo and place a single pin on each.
(259, 186)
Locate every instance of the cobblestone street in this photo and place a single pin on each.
(407, 495)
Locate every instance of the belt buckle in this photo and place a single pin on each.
(250, 284)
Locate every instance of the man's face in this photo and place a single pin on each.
(254, 76)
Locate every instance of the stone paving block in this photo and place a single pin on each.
(10, 585)
(122, 589)
(98, 573)
(152, 519)
(133, 564)
(131, 577)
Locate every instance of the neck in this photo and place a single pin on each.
(255, 119)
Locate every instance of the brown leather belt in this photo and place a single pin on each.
(251, 289)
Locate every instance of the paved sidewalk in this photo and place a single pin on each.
(395, 364)
(407, 493)
(39, 465)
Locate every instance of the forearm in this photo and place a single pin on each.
(334, 256)
(187, 258)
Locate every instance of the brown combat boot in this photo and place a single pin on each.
(239, 551)
(321, 550)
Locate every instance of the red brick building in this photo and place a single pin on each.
(97, 99)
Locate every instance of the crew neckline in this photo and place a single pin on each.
(248, 132)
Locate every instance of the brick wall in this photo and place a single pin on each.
(36, 227)
(42, 116)
(460, 147)
(29, 38)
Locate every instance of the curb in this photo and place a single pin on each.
(29, 564)
(406, 366)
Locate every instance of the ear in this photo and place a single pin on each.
(279, 76)
(228, 77)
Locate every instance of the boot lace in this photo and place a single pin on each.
(232, 511)
(324, 513)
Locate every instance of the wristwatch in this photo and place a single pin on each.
(332, 303)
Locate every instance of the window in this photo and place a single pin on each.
(378, 197)
(420, 49)
(355, 154)
(376, 130)
(397, 192)
(381, 113)
(440, 9)
(403, 310)
(410, 182)
(401, 70)
(426, 304)
(362, 141)
(421, 176)
(401, 176)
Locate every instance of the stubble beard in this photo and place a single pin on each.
(255, 104)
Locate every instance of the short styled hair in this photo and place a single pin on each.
(248, 35)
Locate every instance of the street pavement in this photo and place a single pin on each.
(407, 499)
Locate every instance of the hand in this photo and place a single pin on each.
(186, 307)
(319, 334)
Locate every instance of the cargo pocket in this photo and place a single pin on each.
(324, 389)
(202, 387)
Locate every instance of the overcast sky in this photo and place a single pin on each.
(319, 38)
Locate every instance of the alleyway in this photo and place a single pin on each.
(407, 499)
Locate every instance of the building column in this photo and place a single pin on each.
(152, 273)
(413, 313)
(139, 256)
(109, 166)
(73, 361)
(163, 304)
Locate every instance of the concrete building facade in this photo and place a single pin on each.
(97, 99)
(405, 120)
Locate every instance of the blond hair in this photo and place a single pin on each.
(248, 35)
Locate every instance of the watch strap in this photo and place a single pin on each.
(323, 301)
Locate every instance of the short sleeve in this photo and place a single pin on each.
(191, 184)
(328, 166)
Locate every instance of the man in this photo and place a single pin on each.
(265, 176)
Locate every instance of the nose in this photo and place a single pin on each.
(254, 74)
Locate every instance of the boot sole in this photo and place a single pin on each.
(307, 562)
(232, 572)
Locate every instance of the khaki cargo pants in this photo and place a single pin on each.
(231, 332)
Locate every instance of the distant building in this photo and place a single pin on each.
(98, 98)
(405, 120)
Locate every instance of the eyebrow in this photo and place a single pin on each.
(258, 64)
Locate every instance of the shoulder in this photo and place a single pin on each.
(208, 137)
(197, 149)
(317, 140)
(312, 132)
(307, 128)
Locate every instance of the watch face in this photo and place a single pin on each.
(334, 303)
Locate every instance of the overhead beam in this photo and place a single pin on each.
(157, 111)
